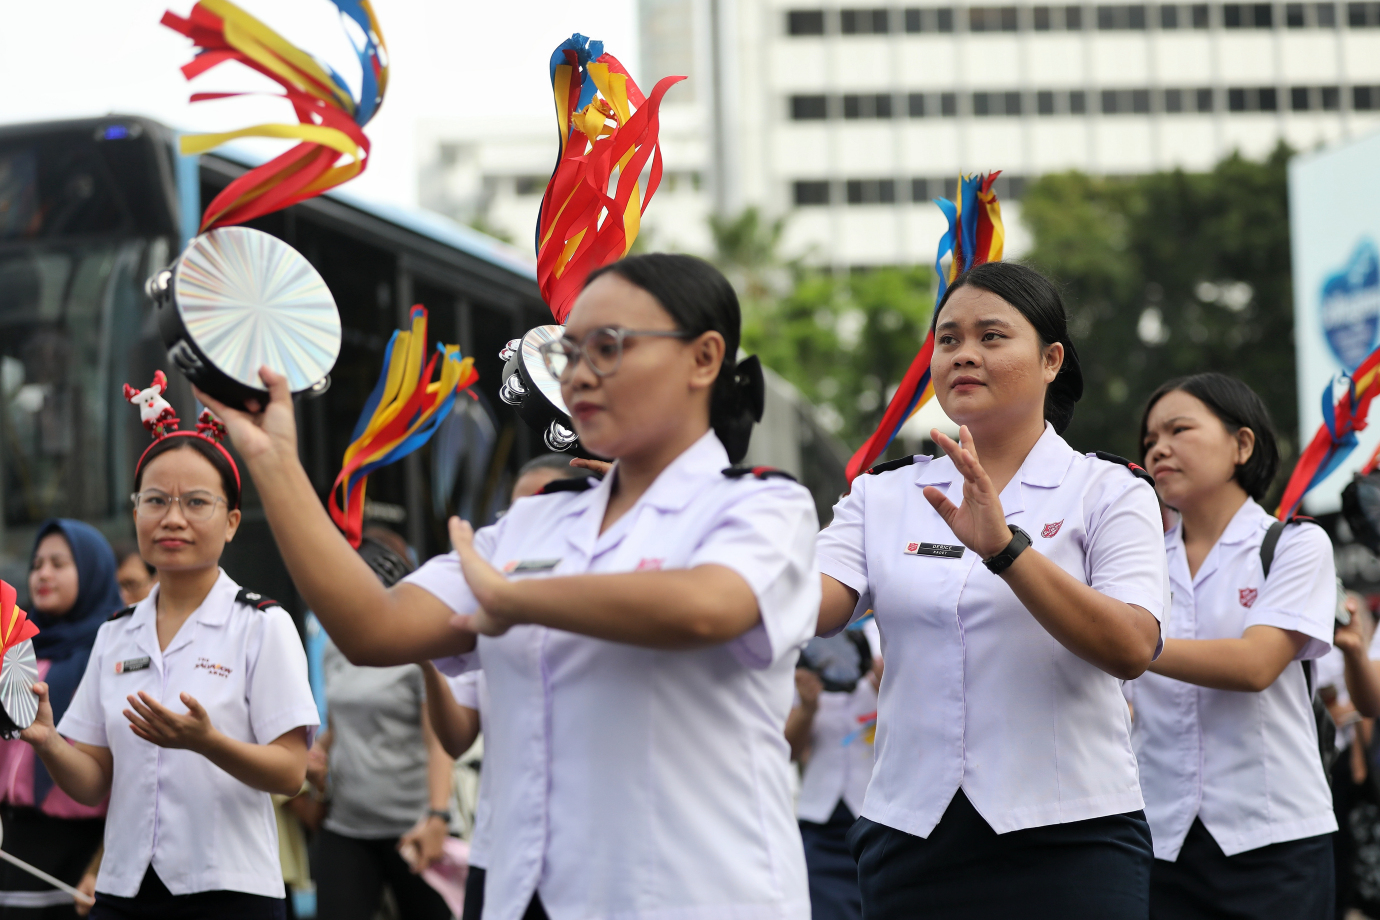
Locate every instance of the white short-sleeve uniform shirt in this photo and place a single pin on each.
(637, 783)
(841, 754)
(1245, 763)
(977, 695)
(471, 690)
(199, 827)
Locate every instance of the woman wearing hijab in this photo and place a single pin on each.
(72, 591)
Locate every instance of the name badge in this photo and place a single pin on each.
(942, 550)
(133, 664)
(531, 565)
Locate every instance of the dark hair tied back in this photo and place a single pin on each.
(1037, 299)
(699, 299)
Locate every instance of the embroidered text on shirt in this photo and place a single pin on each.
(649, 565)
(942, 550)
(219, 670)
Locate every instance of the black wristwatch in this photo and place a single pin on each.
(439, 813)
(1020, 541)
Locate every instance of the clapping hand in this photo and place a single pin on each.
(159, 725)
(487, 584)
(979, 523)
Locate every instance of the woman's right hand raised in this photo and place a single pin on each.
(42, 731)
(260, 432)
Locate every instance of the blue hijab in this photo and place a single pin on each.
(66, 640)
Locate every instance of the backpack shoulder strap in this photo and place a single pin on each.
(1271, 541)
(1269, 544)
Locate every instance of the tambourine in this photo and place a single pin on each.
(18, 674)
(238, 299)
(533, 390)
(840, 660)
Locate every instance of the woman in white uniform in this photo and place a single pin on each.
(1224, 727)
(1016, 583)
(640, 634)
(829, 730)
(194, 708)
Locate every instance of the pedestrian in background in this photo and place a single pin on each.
(135, 576)
(72, 593)
(388, 779)
(830, 731)
(1004, 785)
(1225, 733)
(457, 705)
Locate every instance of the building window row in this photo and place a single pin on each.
(1104, 17)
(823, 192)
(1173, 101)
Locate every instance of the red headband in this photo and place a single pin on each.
(159, 418)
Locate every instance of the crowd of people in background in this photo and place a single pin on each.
(1130, 721)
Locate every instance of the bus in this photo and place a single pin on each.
(89, 209)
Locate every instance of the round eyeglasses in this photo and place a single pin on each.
(602, 349)
(198, 506)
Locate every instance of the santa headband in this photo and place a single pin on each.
(161, 421)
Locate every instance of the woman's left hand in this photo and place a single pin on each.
(487, 583)
(159, 725)
(979, 522)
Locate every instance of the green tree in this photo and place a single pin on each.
(845, 342)
(1168, 274)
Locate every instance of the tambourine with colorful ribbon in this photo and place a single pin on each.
(402, 413)
(608, 133)
(237, 298)
(18, 666)
(975, 235)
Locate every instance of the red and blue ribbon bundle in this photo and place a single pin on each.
(330, 118)
(581, 226)
(1343, 417)
(402, 413)
(975, 235)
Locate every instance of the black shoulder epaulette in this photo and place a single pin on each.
(1136, 469)
(123, 613)
(760, 472)
(889, 466)
(572, 484)
(255, 599)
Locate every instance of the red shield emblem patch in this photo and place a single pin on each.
(1051, 529)
(1248, 596)
(912, 547)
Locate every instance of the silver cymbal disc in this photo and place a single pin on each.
(17, 675)
(247, 299)
(535, 367)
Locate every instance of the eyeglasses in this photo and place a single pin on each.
(196, 506)
(602, 349)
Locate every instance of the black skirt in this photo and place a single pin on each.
(1097, 869)
(155, 902)
(834, 891)
(1294, 880)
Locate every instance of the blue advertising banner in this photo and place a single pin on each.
(1334, 230)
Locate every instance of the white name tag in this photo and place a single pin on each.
(517, 567)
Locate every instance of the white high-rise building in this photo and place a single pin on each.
(849, 119)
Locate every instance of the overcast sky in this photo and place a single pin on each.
(450, 58)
